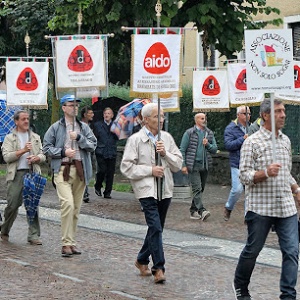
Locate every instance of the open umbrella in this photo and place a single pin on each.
(126, 118)
(113, 102)
(33, 188)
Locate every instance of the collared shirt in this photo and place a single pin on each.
(273, 196)
(68, 141)
(151, 135)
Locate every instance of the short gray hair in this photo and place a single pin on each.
(265, 106)
(148, 108)
(18, 112)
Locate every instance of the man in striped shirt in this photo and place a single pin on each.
(269, 200)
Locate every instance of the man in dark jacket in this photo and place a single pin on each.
(106, 153)
(234, 136)
(197, 144)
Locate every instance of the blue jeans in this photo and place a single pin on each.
(155, 215)
(198, 180)
(236, 189)
(258, 229)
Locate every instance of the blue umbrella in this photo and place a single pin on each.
(33, 188)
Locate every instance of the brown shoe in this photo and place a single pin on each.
(35, 242)
(159, 276)
(66, 251)
(4, 237)
(75, 250)
(144, 270)
(227, 213)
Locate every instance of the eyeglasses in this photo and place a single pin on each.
(72, 105)
(246, 114)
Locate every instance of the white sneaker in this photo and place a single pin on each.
(205, 214)
(195, 216)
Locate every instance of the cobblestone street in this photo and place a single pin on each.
(200, 256)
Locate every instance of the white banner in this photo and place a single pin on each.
(238, 93)
(210, 90)
(27, 83)
(156, 63)
(269, 58)
(293, 96)
(169, 103)
(80, 62)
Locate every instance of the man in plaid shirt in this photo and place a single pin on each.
(269, 200)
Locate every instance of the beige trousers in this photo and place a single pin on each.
(70, 194)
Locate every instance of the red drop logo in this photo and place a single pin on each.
(80, 60)
(297, 77)
(211, 86)
(241, 81)
(27, 80)
(157, 59)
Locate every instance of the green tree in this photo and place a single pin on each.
(222, 23)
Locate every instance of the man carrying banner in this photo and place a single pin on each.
(269, 200)
(141, 165)
(22, 149)
(69, 144)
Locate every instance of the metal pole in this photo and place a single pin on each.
(273, 127)
(158, 9)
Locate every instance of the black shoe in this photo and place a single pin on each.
(107, 196)
(86, 200)
(241, 294)
(98, 192)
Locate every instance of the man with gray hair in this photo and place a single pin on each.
(22, 151)
(269, 200)
(141, 165)
(234, 136)
(197, 145)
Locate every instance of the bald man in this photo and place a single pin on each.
(197, 145)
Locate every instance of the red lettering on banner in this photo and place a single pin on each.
(27, 80)
(80, 60)
(297, 77)
(211, 86)
(157, 59)
(241, 81)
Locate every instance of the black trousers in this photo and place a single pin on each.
(105, 172)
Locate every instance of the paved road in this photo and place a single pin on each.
(200, 256)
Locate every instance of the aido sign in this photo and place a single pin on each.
(156, 63)
(269, 60)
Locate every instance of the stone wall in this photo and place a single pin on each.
(220, 172)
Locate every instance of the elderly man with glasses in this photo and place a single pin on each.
(234, 136)
(70, 143)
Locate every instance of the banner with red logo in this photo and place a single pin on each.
(80, 62)
(238, 92)
(292, 96)
(27, 83)
(210, 91)
(156, 61)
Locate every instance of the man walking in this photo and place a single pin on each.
(106, 153)
(69, 143)
(22, 151)
(234, 137)
(269, 200)
(197, 145)
(87, 116)
(140, 165)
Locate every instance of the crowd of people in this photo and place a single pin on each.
(149, 159)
